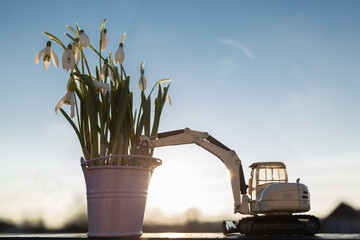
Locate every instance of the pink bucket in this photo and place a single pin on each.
(116, 197)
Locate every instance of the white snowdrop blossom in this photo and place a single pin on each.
(142, 82)
(68, 59)
(76, 52)
(68, 98)
(84, 39)
(47, 54)
(119, 55)
(142, 79)
(104, 87)
(104, 39)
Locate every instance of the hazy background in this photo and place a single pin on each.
(273, 80)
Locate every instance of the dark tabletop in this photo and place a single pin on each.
(180, 236)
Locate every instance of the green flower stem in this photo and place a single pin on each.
(74, 31)
(99, 54)
(106, 130)
(52, 37)
(69, 36)
(83, 59)
(78, 28)
(100, 49)
(123, 70)
(101, 30)
(158, 83)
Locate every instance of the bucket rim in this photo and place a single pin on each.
(120, 167)
(85, 163)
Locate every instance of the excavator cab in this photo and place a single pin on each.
(264, 174)
(271, 193)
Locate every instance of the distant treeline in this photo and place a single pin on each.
(81, 227)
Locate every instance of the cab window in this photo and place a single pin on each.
(271, 175)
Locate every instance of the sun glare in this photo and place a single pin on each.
(190, 178)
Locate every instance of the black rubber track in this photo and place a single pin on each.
(279, 225)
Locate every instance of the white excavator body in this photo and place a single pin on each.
(272, 200)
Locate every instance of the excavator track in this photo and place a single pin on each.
(274, 225)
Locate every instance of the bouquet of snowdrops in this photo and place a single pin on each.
(106, 123)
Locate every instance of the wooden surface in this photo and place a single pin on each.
(180, 236)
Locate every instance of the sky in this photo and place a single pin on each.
(272, 80)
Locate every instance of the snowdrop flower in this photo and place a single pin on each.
(104, 39)
(48, 55)
(142, 79)
(68, 59)
(76, 52)
(69, 97)
(104, 87)
(84, 39)
(120, 55)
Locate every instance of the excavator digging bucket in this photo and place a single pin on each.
(229, 227)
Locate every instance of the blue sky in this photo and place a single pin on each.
(273, 80)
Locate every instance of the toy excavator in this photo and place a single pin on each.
(272, 200)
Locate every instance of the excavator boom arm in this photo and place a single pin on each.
(203, 139)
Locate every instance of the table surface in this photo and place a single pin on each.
(180, 236)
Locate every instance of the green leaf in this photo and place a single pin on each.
(88, 81)
(159, 104)
(74, 127)
(147, 118)
(97, 73)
